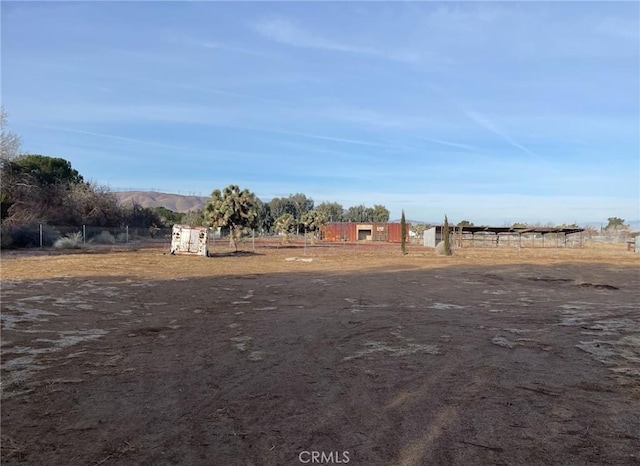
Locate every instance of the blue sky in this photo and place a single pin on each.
(493, 112)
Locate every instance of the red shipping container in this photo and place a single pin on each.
(364, 231)
(339, 231)
(395, 232)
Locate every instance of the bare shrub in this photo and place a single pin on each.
(28, 236)
(70, 241)
(104, 237)
(440, 249)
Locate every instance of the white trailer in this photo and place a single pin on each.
(186, 239)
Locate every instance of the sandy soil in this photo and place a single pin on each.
(359, 354)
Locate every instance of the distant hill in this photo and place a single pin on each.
(175, 202)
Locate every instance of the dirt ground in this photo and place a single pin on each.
(324, 356)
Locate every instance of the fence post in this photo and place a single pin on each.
(40, 231)
(84, 235)
(126, 234)
(253, 239)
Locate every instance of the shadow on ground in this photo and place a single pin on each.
(457, 365)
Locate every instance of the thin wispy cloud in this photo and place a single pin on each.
(233, 49)
(464, 19)
(513, 27)
(377, 119)
(448, 143)
(113, 137)
(286, 31)
(179, 149)
(479, 119)
(333, 138)
(307, 148)
(490, 126)
(105, 113)
(211, 90)
(393, 103)
(208, 44)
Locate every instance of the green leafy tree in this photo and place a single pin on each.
(446, 237)
(379, 214)
(195, 218)
(41, 189)
(568, 225)
(44, 171)
(332, 211)
(356, 214)
(35, 188)
(418, 229)
(519, 225)
(168, 217)
(264, 221)
(234, 209)
(285, 224)
(403, 233)
(312, 221)
(616, 223)
(465, 223)
(362, 213)
(302, 205)
(279, 206)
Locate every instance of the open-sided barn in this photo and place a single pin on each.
(495, 236)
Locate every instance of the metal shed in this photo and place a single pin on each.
(186, 239)
(362, 232)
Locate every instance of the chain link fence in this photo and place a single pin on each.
(42, 235)
(45, 236)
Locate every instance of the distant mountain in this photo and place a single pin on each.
(175, 202)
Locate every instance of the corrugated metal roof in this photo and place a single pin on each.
(497, 230)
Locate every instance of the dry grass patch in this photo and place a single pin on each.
(157, 263)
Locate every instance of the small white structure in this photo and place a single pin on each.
(430, 238)
(186, 239)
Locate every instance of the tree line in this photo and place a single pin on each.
(41, 189)
(240, 211)
(38, 189)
